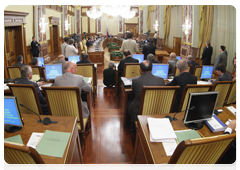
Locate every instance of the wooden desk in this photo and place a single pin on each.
(73, 152)
(147, 152)
(160, 54)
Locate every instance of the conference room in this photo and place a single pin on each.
(58, 110)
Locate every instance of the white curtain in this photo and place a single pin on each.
(175, 24)
(153, 19)
(224, 32)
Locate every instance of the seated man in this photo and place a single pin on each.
(192, 62)
(19, 61)
(70, 79)
(181, 80)
(89, 42)
(26, 74)
(61, 60)
(35, 61)
(146, 79)
(151, 58)
(224, 76)
(172, 63)
(109, 75)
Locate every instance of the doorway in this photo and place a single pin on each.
(55, 39)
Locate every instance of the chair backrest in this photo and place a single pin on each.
(223, 87)
(197, 71)
(87, 70)
(176, 72)
(131, 70)
(27, 95)
(64, 101)
(157, 99)
(85, 48)
(36, 70)
(20, 154)
(192, 88)
(14, 71)
(231, 93)
(208, 150)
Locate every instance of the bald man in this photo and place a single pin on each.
(61, 60)
(172, 64)
(70, 79)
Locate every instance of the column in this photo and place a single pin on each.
(140, 22)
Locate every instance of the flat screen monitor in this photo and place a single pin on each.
(160, 70)
(53, 70)
(40, 61)
(139, 57)
(74, 59)
(12, 117)
(179, 57)
(203, 104)
(206, 72)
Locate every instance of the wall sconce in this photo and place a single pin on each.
(155, 26)
(186, 27)
(67, 25)
(43, 25)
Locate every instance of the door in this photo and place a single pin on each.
(10, 46)
(132, 28)
(55, 39)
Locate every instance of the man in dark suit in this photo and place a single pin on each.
(222, 57)
(181, 80)
(207, 54)
(192, 62)
(19, 61)
(128, 59)
(109, 75)
(34, 45)
(146, 79)
(224, 76)
(172, 64)
(26, 74)
(151, 58)
(149, 48)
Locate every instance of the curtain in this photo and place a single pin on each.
(151, 8)
(224, 32)
(205, 27)
(167, 19)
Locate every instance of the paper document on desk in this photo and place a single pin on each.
(14, 139)
(161, 130)
(203, 82)
(169, 147)
(6, 87)
(34, 139)
(232, 109)
(45, 85)
(126, 81)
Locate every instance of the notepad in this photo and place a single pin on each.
(186, 135)
(53, 143)
(14, 139)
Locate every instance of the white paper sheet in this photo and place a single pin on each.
(232, 109)
(34, 139)
(203, 82)
(169, 147)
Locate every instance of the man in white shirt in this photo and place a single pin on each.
(64, 45)
(129, 44)
(71, 50)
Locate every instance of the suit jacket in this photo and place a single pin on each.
(122, 63)
(224, 77)
(155, 61)
(63, 48)
(222, 58)
(206, 55)
(194, 64)
(181, 80)
(40, 96)
(19, 64)
(72, 80)
(109, 77)
(130, 45)
(172, 65)
(70, 51)
(35, 50)
(148, 49)
(147, 79)
(60, 62)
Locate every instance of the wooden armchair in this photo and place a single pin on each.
(189, 89)
(197, 71)
(231, 93)
(27, 95)
(37, 70)
(176, 72)
(207, 150)
(131, 70)
(223, 87)
(14, 71)
(66, 101)
(20, 154)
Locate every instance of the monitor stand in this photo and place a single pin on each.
(195, 126)
(11, 129)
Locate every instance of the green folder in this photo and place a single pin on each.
(53, 143)
(186, 135)
(14, 139)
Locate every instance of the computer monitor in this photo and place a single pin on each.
(179, 57)
(53, 70)
(139, 57)
(40, 61)
(204, 104)
(160, 70)
(206, 72)
(74, 59)
(12, 117)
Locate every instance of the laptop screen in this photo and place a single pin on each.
(179, 57)
(139, 57)
(74, 59)
(40, 61)
(53, 70)
(206, 72)
(160, 70)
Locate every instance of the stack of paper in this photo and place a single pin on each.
(126, 81)
(215, 124)
(203, 82)
(232, 109)
(161, 130)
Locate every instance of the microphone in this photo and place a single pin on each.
(171, 119)
(215, 111)
(136, 74)
(45, 121)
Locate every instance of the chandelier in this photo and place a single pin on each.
(43, 24)
(186, 27)
(129, 14)
(95, 13)
(67, 25)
